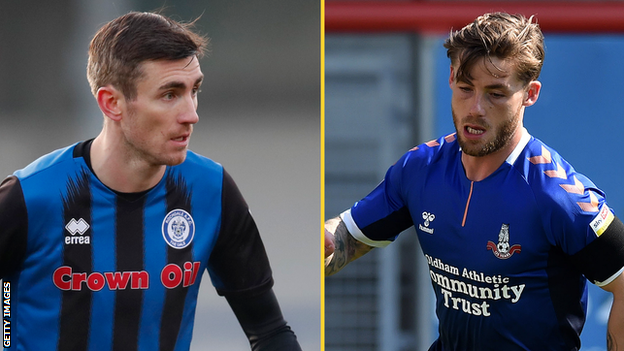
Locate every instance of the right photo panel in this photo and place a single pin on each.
(472, 175)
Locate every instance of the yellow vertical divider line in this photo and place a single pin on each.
(322, 231)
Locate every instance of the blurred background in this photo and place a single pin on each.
(386, 90)
(259, 117)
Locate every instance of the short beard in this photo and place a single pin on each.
(502, 138)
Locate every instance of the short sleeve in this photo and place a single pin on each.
(602, 260)
(13, 226)
(238, 263)
(382, 215)
(578, 219)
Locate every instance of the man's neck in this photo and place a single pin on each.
(119, 170)
(478, 168)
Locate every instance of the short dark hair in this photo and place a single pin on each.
(500, 35)
(120, 46)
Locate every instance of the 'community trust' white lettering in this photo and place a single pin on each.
(496, 287)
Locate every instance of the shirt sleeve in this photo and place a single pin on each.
(382, 215)
(580, 222)
(602, 260)
(238, 264)
(13, 226)
(261, 319)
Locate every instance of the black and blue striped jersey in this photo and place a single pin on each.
(508, 256)
(92, 269)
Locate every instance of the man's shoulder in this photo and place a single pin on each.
(544, 163)
(46, 162)
(198, 168)
(195, 160)
(443, 148)
(552, 177)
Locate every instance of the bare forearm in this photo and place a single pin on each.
(346, 248)
(615, 327)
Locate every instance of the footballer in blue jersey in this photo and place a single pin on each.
(103, 243)
(510, 231)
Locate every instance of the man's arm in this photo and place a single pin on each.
(13, 226)
(340, 246)
(615, 326)
(261, 319)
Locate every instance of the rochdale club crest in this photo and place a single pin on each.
(178, 229)
(502, 250)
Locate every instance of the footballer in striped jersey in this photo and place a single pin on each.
(103, 243)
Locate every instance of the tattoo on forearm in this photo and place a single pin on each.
(346, 250)
(341, 246)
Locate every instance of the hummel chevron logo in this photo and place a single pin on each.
(592, 206)
(559, 173)
(545, 157)
(450, 138)
(576, 188)
(77, 226)
(432, 143)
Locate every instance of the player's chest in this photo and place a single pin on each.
(156, 238)
(487, 227)
(131, 246)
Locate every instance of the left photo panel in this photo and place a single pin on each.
(160, 175)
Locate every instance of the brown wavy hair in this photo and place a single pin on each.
(501, 35)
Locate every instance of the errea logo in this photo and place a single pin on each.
(77, 227)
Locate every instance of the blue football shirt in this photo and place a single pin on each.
(88, 268)
(507, 255)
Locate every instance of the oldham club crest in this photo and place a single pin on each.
(178, 228)
(502, 250)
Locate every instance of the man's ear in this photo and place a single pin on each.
(452, 76)
(110, 101)
(532, 93)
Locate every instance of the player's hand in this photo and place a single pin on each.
(329, 243)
